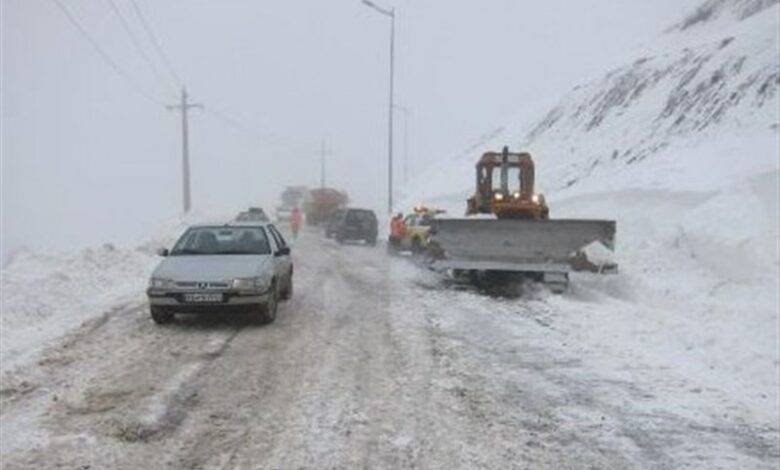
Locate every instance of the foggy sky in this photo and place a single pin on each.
(86, 159)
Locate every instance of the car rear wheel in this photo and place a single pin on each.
(268, 311)
(161, 317)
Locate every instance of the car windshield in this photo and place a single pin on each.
(358, 217)
(223, 241)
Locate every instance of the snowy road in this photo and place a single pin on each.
(373, 364)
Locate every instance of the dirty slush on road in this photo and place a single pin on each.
(372, 364)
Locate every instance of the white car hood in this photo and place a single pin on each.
(211, 267)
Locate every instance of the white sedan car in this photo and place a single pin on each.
(244, 267)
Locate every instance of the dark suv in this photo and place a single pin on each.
(333, 223)
(356, 224)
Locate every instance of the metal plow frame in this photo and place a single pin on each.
(534, 246)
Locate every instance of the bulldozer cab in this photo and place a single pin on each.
(505, 187)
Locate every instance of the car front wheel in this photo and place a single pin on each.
(161, 317)
(288, 291)
(268, 310)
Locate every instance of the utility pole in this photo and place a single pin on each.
(323, 156)
(184, 107)
(391, 14)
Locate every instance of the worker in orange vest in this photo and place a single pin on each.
(295, 221)
(397, 231)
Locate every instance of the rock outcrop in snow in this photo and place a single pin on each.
(716, 81)
(714, 10)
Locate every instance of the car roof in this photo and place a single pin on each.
(249, 223)
(234, 223)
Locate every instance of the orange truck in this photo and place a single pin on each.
(320, 204)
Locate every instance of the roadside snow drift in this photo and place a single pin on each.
(47, 295)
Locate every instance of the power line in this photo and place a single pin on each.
(155, 42)
(253, 132)
(104, 55)
(137, 44)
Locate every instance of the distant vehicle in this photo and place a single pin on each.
(418, 226)
(321, 203)
(254, 214)
(292, 196)
(237, 267)
(356, 224)
(330, 229)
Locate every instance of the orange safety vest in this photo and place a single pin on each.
(397, 228)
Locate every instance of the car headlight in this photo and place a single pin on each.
(249, 283)
(516, 195)
(499, 196)
(160, 283)
(536, 198)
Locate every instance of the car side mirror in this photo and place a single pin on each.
(163, 252)
(282, 251)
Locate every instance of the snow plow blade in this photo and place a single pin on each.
(549, 247)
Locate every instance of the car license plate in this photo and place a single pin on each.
(203, 298)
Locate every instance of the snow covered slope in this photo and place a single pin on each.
(713, 76)
(699, 84)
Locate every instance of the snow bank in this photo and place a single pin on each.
(44, 296)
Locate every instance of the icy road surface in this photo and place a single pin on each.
(373, 364)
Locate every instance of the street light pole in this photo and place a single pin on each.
(405, 111)
(391, 14)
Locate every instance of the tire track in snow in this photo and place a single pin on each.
(166, 409)
(106, 382)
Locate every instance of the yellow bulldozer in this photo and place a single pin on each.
(507, 229)
(513, 196)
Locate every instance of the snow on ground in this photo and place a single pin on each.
(377, 363)
(47, 295)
